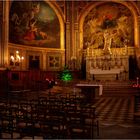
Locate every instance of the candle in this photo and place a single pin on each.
(87, 51)
(137, 80)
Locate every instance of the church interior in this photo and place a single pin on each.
(70, 69)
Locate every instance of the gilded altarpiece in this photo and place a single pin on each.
(108, 33)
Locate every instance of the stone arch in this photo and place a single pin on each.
(61, 21)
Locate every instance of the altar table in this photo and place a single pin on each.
(107, 74)
(89, 90)
(100, 71)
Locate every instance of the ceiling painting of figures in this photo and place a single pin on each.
(110, 21)
(34, 24)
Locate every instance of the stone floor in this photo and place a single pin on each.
(115, 109)
(119, 131)
(116, 119)
(115, 112)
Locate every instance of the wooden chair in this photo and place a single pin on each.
(91, 119)
(53, 126)
(24, 120)
(136, 110)
(8, 121)
(76, 125)
(27, 121)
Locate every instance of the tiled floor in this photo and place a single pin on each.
(115, 113)
(114, 109)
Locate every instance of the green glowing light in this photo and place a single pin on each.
(66, 75)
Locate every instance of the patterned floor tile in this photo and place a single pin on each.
(114, 109)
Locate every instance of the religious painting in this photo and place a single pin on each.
(34, 23)
(108, 26)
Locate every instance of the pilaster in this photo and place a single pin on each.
(44, 61)
(137, 32)
(5, 34)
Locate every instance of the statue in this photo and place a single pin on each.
(107, 42)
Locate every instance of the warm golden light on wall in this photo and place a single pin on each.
(15, 59)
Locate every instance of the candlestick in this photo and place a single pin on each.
(87, 51)
(137, 80)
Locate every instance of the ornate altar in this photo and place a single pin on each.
(107, 34)
(107, 66)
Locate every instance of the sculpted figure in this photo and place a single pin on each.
(107, 42)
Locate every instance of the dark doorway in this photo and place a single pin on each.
(83, 68)
(133, 69)
(34, 62)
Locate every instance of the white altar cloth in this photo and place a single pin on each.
(100, 71)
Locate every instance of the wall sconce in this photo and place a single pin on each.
(15, 59)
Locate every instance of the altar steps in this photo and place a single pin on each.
(119, 88)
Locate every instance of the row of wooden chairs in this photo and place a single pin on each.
(50, 118)
(136, 108)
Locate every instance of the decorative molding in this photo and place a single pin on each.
(54, 61)
(61, 4)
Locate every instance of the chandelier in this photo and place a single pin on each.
(16, 59)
